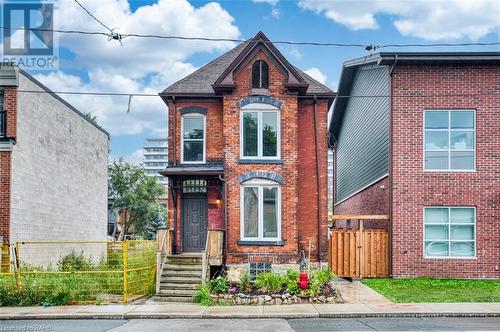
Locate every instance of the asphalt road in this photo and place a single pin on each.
(267, 325)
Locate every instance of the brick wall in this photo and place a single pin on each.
(413, 189)
(289, 169)
(10, 107)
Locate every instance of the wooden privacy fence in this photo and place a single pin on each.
(359, 253)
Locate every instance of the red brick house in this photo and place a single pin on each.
(248, 155)
(417, 136)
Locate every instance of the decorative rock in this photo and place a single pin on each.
(261, 300)
(322, 299)
(330, 299)
(275, 296)
(267, 298)
(278, 301)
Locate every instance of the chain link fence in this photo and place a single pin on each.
(66, 272)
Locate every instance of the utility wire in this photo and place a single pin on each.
(368, 47)
(95, 18)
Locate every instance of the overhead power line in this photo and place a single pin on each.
(92, 15)
(111, 35)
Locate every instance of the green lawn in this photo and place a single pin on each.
(436, 290)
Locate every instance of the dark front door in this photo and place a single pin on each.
(194, 221)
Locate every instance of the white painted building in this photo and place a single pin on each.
(155, 158)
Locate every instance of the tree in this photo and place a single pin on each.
(134, 192)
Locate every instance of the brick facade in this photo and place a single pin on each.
(10, 108)
(298, 170)
(414, 189)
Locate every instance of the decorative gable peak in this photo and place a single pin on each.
(295, 82)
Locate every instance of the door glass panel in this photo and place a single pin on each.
(462, 249)
(435, 248)
(462, 120)
(436, 232)
(463, 160)
(250, 130)
(269, 134)
(251, 211)
(436, 140)
(436, 160)
(461, 140)
(436, 120)
(270, 212)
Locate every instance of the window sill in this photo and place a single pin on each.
(261, 161)
(260, 243)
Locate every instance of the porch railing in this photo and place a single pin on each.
(165, 241)
(213, 254)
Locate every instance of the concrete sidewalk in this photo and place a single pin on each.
(188, 310)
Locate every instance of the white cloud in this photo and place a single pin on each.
(143, 65)
(135, 157)
(271, 2)
(431, 20)
(316, 74)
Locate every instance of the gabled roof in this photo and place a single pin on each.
(212, 78)
(396, 58)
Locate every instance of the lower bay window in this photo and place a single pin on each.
(260, 210)
(449, 232)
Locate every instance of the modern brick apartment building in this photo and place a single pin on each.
(53, 165)
(417, 136)
(247, 154)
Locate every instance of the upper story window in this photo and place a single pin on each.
(260, 132)
(449, 140)
(193, 138)
(260, 75)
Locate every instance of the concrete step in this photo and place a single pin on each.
(169, 285)
(177, 292)
(176, 267)
(164, 298)
(184, 274)
(184, 260)
(181, 280)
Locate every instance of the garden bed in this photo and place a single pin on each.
(235, 288)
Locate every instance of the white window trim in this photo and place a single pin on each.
(449, 141)
(194, 115)
(449, 231)
(260, 109)
(260, 183)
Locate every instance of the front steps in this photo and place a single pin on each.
(179, 278)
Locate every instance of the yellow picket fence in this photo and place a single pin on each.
(80, 271)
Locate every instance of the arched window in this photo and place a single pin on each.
(260, 75)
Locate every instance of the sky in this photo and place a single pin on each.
(92, 63)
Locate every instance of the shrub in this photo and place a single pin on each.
(324, 276)
(219, 285)
(245, 281)
(75, 262)
(202, 295)
(269, 282)
(291, 282)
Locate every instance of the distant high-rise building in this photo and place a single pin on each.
(156, 158)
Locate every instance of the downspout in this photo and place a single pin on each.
(391, 103)
(224, 216)
(318, 181)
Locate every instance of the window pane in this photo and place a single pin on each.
(436, 232)
(193, 151)
(462, 140)
(436, 139)
(269, 134)
(250, 134)
(251, 211)
(463, 160)
(256, 75)
(436, 120)
(462, 215)
(462, 120)
(462, 232)
(270, 212)
(462, 249)
(433, 248)
(436, 215)
(193, 128)
(436, 160)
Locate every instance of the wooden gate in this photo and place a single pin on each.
(359, 253)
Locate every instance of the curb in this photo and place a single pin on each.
(250, 316)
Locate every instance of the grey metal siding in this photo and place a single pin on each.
(363, 140)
